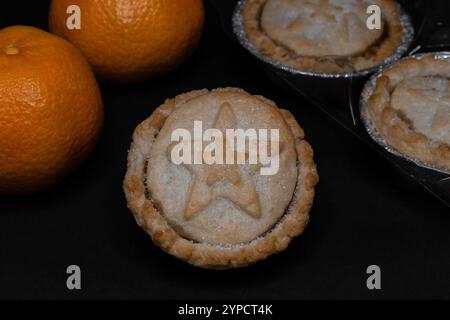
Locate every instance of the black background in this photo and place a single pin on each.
(365, 211)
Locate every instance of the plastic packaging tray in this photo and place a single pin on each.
(339, 98)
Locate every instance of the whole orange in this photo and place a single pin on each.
(130, 40)
(51, 110)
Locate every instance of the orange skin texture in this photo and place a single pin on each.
(51, 111)
(132, 40)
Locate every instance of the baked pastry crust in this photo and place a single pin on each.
(398, 128)
(375, 53)
(151, 218)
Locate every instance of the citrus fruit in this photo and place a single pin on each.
(51, 110)
(130, 40)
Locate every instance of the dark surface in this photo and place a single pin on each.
(365, 211)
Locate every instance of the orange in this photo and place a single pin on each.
(130, 40)
(51, 110)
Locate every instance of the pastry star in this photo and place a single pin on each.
(210, 182)
(439, 101)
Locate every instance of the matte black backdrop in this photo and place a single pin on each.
(365, 212)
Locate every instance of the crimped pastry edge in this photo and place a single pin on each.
(391, 127)
(208, 256)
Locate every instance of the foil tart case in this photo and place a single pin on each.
(239, 30)
(371, 130)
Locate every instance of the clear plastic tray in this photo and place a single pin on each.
(339, 98)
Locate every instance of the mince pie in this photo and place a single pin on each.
(220, 214)
(410, 109)
(323, 36)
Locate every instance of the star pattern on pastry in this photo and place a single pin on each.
(311, 28)
(211, 182)
(434, 95)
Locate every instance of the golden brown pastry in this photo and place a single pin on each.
(220, 215)
(410, 109)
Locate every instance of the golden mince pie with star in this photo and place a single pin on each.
(410, 109)
(323, 36)
(221, 179)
